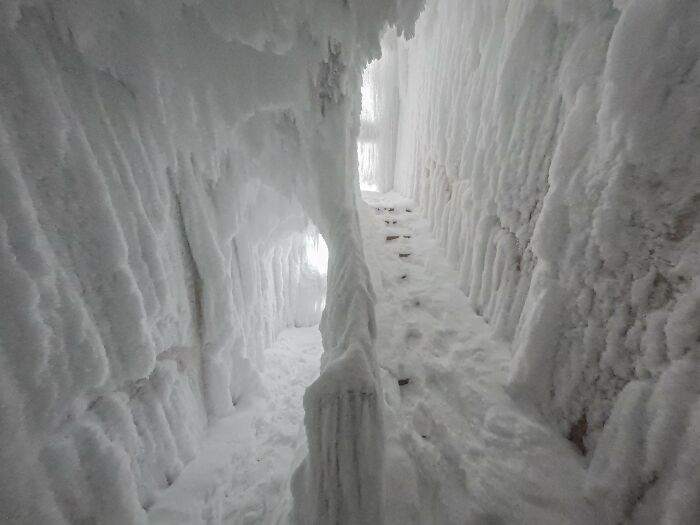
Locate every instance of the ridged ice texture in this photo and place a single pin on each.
(555, 147)
(159, 163)
(136, 299)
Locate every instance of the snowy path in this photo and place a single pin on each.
(460, 450)
(241, 474)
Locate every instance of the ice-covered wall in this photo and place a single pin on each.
(555, 146)
(160, 164)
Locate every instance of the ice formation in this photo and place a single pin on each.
(554, 147)
(163, 164)
(167, 168)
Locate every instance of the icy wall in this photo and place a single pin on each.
(160, 164)
(555, 146)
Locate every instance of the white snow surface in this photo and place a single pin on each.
(554, 147)
(162, 165)
(241, 474)
(459, 449)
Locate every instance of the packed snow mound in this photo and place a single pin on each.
(162, 165)
(554, 146)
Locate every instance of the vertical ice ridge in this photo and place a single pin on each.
(569, 182)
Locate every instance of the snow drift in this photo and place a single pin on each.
(554, 146)
(162, 164)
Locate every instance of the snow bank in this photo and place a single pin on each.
(161, 164)
(554, 147)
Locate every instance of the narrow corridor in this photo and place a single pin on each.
(241, 474)
(459, 449)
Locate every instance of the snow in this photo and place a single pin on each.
(179, 183)
(459, 448)
(553, 147)
(241, 474)
(163, 166)
(317, 254)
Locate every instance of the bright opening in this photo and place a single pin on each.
(317, 252)
(366, 142)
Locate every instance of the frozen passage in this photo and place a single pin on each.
(205, 320)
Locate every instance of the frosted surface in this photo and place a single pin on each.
(167, 167)
(241, 473)
(162, 167)
(554, 147)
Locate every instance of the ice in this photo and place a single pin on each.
(614, 478)
(458, 448)
(163, 166)
(550, 146)
(179, 183)
(242, 471)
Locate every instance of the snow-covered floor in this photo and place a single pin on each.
(241, 474)
(460, 451)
